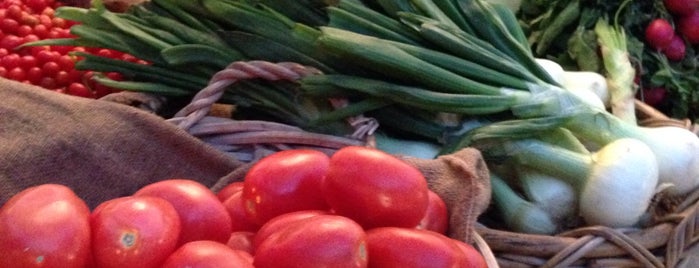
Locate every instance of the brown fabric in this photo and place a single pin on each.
(100, 149)
(462, 180)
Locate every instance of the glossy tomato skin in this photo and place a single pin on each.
(239, 219)
(241, 241)
(202, 215)
(282, 221)
(395, 247)
(45, 226)
(230, 189)
(475, 259)
(208, 254)
(375, 188)
(436, 217)
(285, 181)
(134, 231)
(318, 241)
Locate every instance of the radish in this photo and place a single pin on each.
(659, 33)
(681, 7)
(688, 26)
(676, 50)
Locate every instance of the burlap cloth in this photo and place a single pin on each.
(103, 149)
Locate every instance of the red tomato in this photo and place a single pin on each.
(436, 218)
(475, 258)
(230, 189)
(375, 188)
(283, 182)
(203, 216)
(390, 247)
(209, 254)
(318, 241)
(282, 221)
(134, 231)
(241, 241)
(239, 219)
(45, 226)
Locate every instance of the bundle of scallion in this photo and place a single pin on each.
(424, 69)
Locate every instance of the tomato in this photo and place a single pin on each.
(241, 241)
(688, 26)
(318, 241)
(207, 253)
(397, 247)
(230, 189)
(203, 216)
(45, 226)
(239, 219)
(436, 218)
(375, 188)
(282, 221)
(475, 259)
(659, 33)
(134, 231)
(283, 182)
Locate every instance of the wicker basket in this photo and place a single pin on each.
(669, 241)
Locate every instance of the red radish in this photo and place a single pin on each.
(681, 7)
(654, 96)
(676, 50)
(659, 33)
(688, 26)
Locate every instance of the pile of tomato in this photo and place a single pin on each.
(360, 207)
(50, 67)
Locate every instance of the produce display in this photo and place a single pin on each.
(182, 223)
(549, 92)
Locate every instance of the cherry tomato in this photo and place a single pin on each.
(282, 221)
(45, 226)
(436, 217)
(475, 259)
(230, 189)
(283, 182)
(209, 254)
(241, 241)
(318, 241)
(134, 231)
(239, 220)
(375, 188)
(203, 216)
(397, 247)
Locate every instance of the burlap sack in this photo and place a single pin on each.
(100, 149)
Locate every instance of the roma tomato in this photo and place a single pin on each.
(241, 241)
(134, 231)
(436, 217)
(202, 215)
(375, 188)
(239, 219)
(475, 259)
(45, 226)
(391, 247)
(283, 182)
(282, 221)
(318, 241)
(230, 189)
(208, 254)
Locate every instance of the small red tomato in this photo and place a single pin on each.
(283, 182)
(230, 189)
(282, 221)
(436, 218)
(475, 258)
(203, 216)
(45, 226)
(688, 26)
(207, 254)
(659, 33)
(241, 241)
(676, 50)
(239, 220)
(134, 231)
(391, 247)
(375, 188)
(319, 241)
